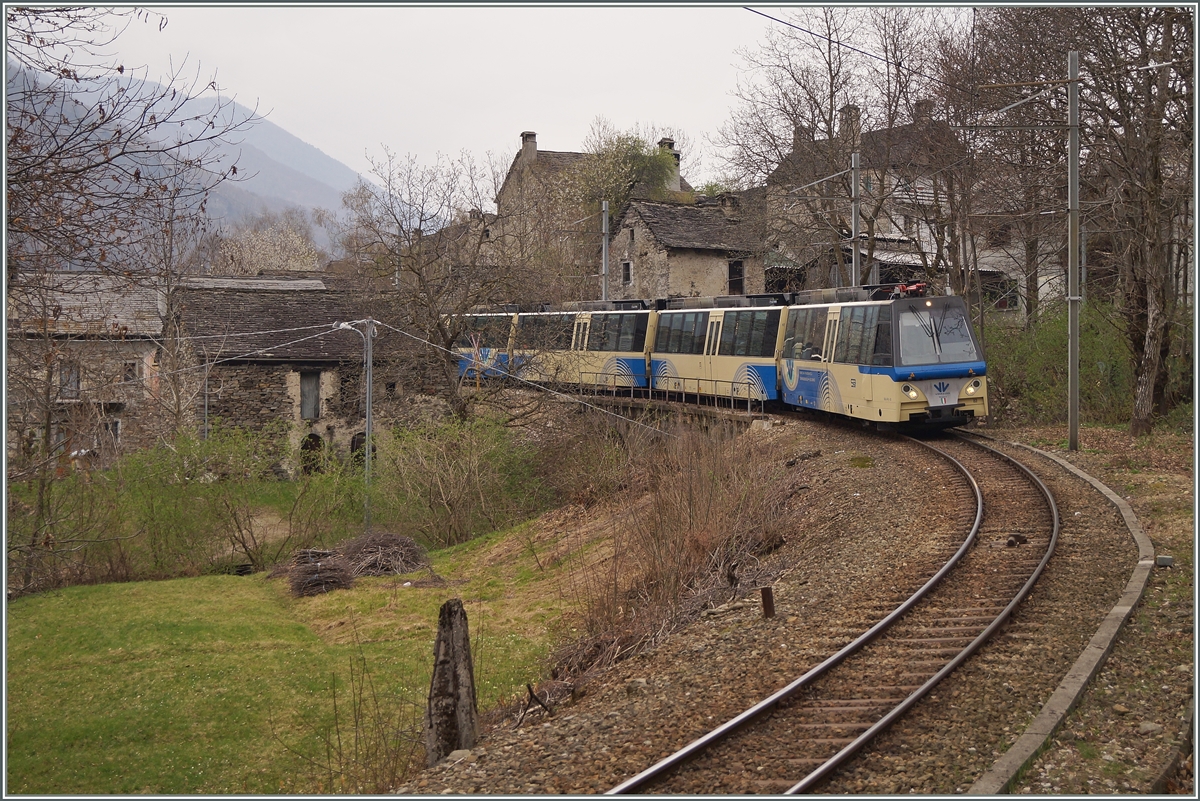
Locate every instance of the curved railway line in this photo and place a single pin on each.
(824, 717)
(857, 560)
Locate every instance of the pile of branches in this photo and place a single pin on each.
(380, 554)
(313, 572)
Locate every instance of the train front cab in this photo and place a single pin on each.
(911, 361)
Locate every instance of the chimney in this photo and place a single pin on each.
(668, 144)
(802, 135)
(528, 147)
(849, 121)
(923, 111)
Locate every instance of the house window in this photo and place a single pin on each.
(626, 272)
(737, 275)
(310, 395)
(68, 380)
(631, 236)
(129, 371)
(112, 428)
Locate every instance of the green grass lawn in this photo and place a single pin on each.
(210, 685)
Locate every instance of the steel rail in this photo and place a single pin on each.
(701, 743)
(900, 709)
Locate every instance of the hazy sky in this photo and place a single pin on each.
(351, 80)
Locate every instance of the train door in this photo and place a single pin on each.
(580, 338)
(831, 332)
(713, 339)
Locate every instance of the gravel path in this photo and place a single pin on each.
(858, 518)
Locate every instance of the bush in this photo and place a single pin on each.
(181, 508)
(1027, 369)
(445, 483)
(687, 543)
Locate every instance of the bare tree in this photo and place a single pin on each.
(418, 230)
(269, 242)
(833, 82)
(93, 148)
(1137, 102)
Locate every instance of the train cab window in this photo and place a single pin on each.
(936, 335)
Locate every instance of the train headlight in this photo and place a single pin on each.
(973, 387)
(909, 390)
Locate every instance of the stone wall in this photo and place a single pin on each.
(658, 272)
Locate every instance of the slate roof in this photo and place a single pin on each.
(699, 227)
(547, 163)
(916, 144)
(286, 321)
(72, 303)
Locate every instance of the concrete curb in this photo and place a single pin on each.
(1008, 768)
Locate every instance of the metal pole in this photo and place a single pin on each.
(1073, 251)
(370, 335)
(854, 204)
(604, 250)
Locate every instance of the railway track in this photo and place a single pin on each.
(802, 733)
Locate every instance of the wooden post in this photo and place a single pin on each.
(452, 717)
(768, 602)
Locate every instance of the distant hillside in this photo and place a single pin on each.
(276, 170)
(281, 171)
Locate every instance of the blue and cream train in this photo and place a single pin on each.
(891, 355)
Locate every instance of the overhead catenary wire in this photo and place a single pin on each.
(860, 51)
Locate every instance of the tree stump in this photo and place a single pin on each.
(452, 717)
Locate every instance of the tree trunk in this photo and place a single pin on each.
(1148, 366)
(452, 717)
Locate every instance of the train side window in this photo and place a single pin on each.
(843, 337)
(728, 329)
(699, 329)
(662, 334)
(867, 349)
(641, 321)
(798, 341)
(883, 338)
(628, 324)
(850, 338)
(770, 334)
(699, 332)
(676, 333)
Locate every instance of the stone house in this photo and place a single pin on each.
(711, 247)
(83, 359)
(270, 353)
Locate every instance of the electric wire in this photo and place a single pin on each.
(895, 64)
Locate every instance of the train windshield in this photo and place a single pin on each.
(935, 335)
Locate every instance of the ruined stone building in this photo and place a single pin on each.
(82, 366)
(112, 365)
